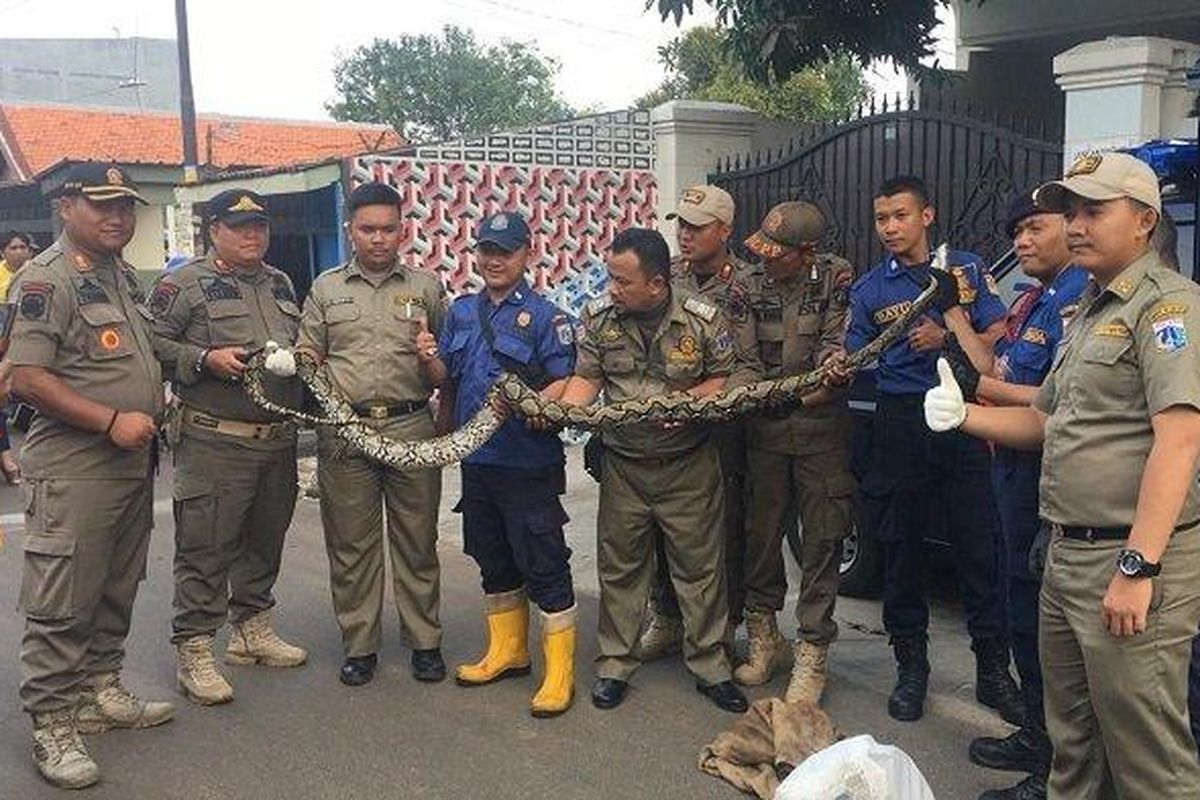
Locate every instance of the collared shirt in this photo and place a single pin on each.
(529, 336)
(691, 344)
(1129, 353)
(207, 304)
(365, 326)
(1027, 359)
(728, 289)
(883, 294)
(799, 322)
(83, 321)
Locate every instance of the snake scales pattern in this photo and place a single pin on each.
(510, 394)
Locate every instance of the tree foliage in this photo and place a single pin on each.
(772, 39)
(700, 66)
(441, 87)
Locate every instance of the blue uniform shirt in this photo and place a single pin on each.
(884, 293)
(1026, 359)
(531, 336)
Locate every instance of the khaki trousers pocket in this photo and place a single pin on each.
(48, 580)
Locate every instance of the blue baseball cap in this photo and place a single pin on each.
(504, 230)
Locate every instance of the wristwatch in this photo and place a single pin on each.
(1133, 564)
(198, 364)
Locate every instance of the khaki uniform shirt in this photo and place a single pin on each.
(798, 323)
(728, 291)
(84, 322)
(206, 304)
(1129, 353)
(691, 345)
(365, 327)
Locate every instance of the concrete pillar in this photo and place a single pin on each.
(1125, 90)
(689, 137)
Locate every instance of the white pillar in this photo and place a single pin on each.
(689, 137)
(1125, 90)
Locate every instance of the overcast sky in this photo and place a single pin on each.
(274, 58)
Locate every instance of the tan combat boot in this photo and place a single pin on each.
(110, 705)
(808, 675)
(59, 752)
(254, 642)
(197, 675)
(767, 648)
(661, 635)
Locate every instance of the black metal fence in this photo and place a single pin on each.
(973, 166)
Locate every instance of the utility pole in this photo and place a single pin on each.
(187, 104)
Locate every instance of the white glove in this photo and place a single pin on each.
(944, 406)
(279, 361)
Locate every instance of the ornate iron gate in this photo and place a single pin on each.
(973, 167)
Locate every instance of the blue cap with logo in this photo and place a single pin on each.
(505, 230)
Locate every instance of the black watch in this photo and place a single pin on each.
(1133, 564)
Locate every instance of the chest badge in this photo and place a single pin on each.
(523, 319)
(109, 339)
(687, 347)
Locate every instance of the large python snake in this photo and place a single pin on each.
(509, 394)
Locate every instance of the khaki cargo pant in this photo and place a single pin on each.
(233, 505)
(1116, 707)
(85, 553)
(355, 492)
(681, 496)
(821, 487)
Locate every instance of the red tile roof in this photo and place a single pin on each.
(35, 137)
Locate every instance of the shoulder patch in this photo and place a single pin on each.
(35, 299)
(700, 308)
(162, 298)
(1170, 333)
(1164, 310)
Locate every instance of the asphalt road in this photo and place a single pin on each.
(301, 734)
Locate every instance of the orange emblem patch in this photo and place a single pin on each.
(110, 339)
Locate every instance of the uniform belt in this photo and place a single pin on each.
(1093, 534)
(233, 427)
(386, 411)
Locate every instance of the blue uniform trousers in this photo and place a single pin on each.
(921, 482)
(1015, 477)
(513, 528)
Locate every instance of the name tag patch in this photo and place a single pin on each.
(891, 313)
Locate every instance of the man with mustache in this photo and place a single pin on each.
(83, 356)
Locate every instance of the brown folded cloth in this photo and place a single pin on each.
(766, 743)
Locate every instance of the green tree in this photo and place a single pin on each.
(442, 87)
(772, 39)
(700, 66)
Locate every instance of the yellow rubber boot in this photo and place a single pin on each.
(508, 641)
(558, 685)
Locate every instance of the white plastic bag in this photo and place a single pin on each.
(858, 768)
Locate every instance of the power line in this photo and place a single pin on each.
(574, 23)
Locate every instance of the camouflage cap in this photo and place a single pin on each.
(701, 205)
(787, 225)
(1102, 176)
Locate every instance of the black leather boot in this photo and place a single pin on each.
(1024, 750)
(907, 701)
(994, 686)
(1032, 788)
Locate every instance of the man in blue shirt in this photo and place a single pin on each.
(910, 466)
(1022, 359)
(512, 517)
